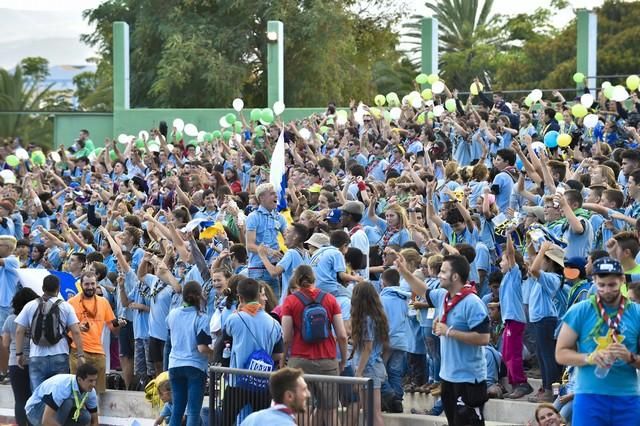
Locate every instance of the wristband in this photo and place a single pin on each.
(589, 359)
(19, 353)
(448, 331)
(362, 186)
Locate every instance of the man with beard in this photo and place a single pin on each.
(290, 395)
(93, 312)
(600, 337)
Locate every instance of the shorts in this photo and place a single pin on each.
(98, 361)
(605, 410)
(377, 372)
(142, 365)
(348, 394)
(125, 340)
(156, 350)
(324, 394)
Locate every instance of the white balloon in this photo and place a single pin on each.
(200, 137)
(341, 120)
(170, 147)
(278, 107)
(153, 147)
(178, 123)
(437, 87)
(8, 176)
(143, 135)
(22, 154)
(223, 122)
(238, 104)
(536, 95)
(405, 100)
(123, 139)
(416, 102)
(590, 121)
(438, 110)
(190, 129)
(606, 84)
(92, 156)
(586, 100)
(619, 94)
(55, 157)
(395, 113)
(305, 133)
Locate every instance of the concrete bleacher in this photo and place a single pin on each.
(119, 408)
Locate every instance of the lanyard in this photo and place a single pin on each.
(612, 323)
(78, 402)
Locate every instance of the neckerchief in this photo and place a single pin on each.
(79, 403)
(373, 164)
(251, 308)
(388, 234)
(451, 302)
(355, 229)
(612, 323)
(284, 409)
(580, 214)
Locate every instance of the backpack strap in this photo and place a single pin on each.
(320, 297)
(250, 332)
(303, 298)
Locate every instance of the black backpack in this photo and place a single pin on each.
(47, 328)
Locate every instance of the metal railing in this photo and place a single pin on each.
(334, 401)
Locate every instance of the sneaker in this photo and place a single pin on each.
(534, 398)
(396, 406)
(436, 410)
(436, 391)
(520, 391)
(495, 391)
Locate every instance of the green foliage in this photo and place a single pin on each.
(198, 53)
(35, 67)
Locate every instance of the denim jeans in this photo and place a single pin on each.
(432, 343)
(43, 367)
(142, 362)
(261, 274)
(64, 411)
(21, 391)
(187, 387)
(396, 370)
(546, 350)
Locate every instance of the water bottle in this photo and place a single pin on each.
(226, 353)
(601, 372)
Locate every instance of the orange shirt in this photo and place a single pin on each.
(96, 312)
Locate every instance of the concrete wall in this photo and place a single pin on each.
(68, 125)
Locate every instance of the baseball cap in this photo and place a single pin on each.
(353, 207)
(607, 266)
(334, 216)
(574, 267)
(318, 240)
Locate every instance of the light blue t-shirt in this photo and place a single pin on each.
(543, 290)
(327, 262)
(369, 335)
(289, 262)
(466, 236)
(482, 262)
(159, 304)
(578, 245)
(266, 225)
(60, 387)
(251, 333)
(188, 329)
(505, 185)
(140, 318)
(9, 280)
(270, 416)
(461, 362)
(395, 303)
(622, 379)
(493, 359)
(511, 306)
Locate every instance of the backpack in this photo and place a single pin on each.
(259, 360)
(315, 319)
(46, 327)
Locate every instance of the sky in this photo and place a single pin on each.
(59, 24)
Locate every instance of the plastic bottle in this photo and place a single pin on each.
(226, 353)
(601, 372)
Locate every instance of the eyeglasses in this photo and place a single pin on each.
(376, 147)
(351, 144)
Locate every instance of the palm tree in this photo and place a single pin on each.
(18, 95)
(463, 24)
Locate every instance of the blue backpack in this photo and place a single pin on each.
(259, 360)
(315, 319)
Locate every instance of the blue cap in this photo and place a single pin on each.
(334, 216)
(607, 266)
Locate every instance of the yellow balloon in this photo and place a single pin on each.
(564, 140)
(475, 88)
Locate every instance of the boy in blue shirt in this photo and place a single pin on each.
(502, 185)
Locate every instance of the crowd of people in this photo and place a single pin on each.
(446, 251)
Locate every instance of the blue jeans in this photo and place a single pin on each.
(261, 274)
(43, 367)
(432, 343)
(66, 410)
(546, 350)
(605, 410)
(396, 369)
(187, 387)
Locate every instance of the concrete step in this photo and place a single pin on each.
(418, 420)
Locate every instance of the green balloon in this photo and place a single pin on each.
(12, 160)
(238, 126)
(578, 77)
(38, 157)
(227, 134)
(387, 115)
(528, 101)
(432, 78)
(217, 134)
(139, 143)
(324, 129)
(267, 115)
(259, 131)
(208, 137)
(255, 114)
(422, 78)
(430, 115)
(231, 117)
(98, 151)
(379, 100)
(450, 105)
(178, 136)
(113, 155)
(192, 142)
(421, 118)
(559, 116)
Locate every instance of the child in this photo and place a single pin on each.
(164, 391)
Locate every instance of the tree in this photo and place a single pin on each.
(35, 67)
(19, 94)
(194, 53)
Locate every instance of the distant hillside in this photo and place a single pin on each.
(53, 35)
